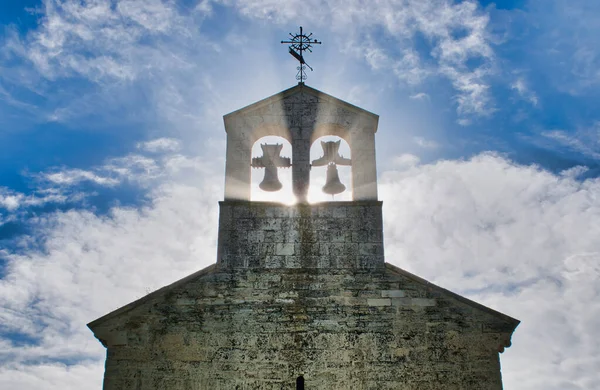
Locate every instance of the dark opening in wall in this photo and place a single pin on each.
(300, 383)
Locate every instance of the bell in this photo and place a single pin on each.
(270, 160)
(270, 182)
(333, 185)
(331, 155)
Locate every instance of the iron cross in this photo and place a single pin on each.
(300, 43)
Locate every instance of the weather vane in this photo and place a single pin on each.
(298, 44)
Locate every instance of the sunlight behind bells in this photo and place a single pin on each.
(318, 174)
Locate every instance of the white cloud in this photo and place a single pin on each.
(405, 161)
(155, 49)
(517, 238)
(583, 140)
(574, 172)
(125, 51)
(160, 145)
(420, 96)
(473, 97)
(70, 31)
(134, 168)
(457, 32)
(51, 376)
(425, 143)
(90, 265)
(464, 121)
(13, 200)
(49, 294)
(10, 200)
(61, 185)
(96, 39)
(524, 91)
(75, 176)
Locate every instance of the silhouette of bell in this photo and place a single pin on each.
(333, 185)
(270, 160)
(270, 182)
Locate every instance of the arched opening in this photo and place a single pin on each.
(300, 383)
(330, 129)
(319, 174)
(271, 179)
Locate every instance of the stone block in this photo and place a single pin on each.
(256, 236)
(336, 249)
(422, 302)
(242, 212)
(339, 212)
(323, 262)
(271, 261)
(307, 249)
(401, 301)
(375, 236)
(285, 249)
(292, 262)
(244, 224)
(393, 294)
(340, 236)
(252, 261)
(343, 262)
(293, 236)
(249, 249)
(367, 249)
(368, 262)
(270, 223)
(326, 212)
(379, 302)
(350, 249)
(268, 249)
(272, 236)
(360, 236)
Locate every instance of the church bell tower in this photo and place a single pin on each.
(300, 296)
(328, 235)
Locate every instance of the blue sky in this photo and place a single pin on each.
(112, 158)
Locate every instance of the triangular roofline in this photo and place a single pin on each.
(208, 270)
(301, 87)
(146, 298)
(460, 298)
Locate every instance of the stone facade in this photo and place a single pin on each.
(302, 291)
(259, 235)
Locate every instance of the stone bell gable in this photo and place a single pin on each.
(300, 296)
(301, 115)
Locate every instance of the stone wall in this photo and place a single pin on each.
(274, 308)
(328, 235)
(339, 329)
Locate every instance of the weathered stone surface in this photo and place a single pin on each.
(328, 235)
(303, 290)
(260, 329)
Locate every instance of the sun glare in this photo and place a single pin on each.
(318, 175)
(285, 195)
